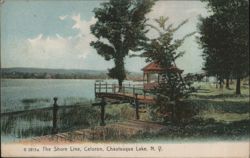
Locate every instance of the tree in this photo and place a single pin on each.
(215, 53)
(122, 24)
(225, 39)
(164, 50)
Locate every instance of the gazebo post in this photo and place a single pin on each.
(148, 77)
(143, 77)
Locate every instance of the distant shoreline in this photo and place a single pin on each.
(38, 73)
(56, 78)
(49, 79)
(67, 79)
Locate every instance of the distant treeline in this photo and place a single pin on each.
(21, 75)
(37, 73)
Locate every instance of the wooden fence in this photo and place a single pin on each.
(54, 109)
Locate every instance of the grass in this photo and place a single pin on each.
(209, 114)
(119, 112)
(209, 90)
(222, 107)
(215, 114)
(38, 123)
(199, 130)
(224, 117)
(212, 116)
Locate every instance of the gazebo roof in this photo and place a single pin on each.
(154, 67)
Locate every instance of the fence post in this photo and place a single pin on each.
(95, 89)
(133, 90)
(100, 84)
(123, 89)
(103, 103)
(113, 88)
(137, 107)
(106, 87)
(55, 109)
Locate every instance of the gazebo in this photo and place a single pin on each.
(155, 68)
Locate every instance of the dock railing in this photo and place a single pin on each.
(128, 88)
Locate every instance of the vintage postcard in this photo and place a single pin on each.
(125, 78)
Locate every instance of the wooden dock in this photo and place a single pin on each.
(128, 93)
(115, 131)
(127, 97)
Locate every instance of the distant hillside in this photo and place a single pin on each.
(40, 73)
(50, 71)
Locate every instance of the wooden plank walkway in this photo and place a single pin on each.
(115, 131)
(127, 97)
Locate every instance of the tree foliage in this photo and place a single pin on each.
(164, 51)
(225, 39)
(122, 24)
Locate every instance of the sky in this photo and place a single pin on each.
(56, 34)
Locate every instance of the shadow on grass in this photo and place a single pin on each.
(202, 90)
(200, 129)
(199, 105)
(211, 128)
(221, 96)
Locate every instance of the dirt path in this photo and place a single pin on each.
(115, 131)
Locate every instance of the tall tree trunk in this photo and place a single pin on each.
(227, 83)
(207, 79)
(216, 82)
(238, 86)
(231, 81)
(221, 83)
(119, 72)
(173, 117)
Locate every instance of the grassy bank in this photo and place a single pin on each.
(210, 114)
(216, 114)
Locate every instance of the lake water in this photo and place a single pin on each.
(24, 94)
(15, 92)
(20, 94)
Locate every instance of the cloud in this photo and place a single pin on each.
(63, 17)
(58, 51)
(77, 19)
(177, 10)
(82, 25)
